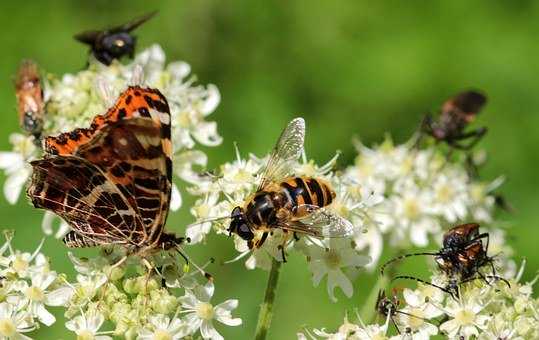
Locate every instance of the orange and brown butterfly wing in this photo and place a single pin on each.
(130, 148)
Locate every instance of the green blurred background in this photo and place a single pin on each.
(349, 67)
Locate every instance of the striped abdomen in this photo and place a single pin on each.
(306, 190)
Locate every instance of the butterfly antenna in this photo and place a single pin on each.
(398, 258)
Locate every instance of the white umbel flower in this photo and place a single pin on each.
(200, 313)
(87, 326)
(16, 165)
(465, 318)
(13, 323)
(330, 261)
(38, 295)
(161, 327)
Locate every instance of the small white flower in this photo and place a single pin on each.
(24, 264)
(87, 326)
(330, 261)
(449, 196)
(13, 323)
(465, 318)
(16, 165)
(200, 313)
(204, 210)
(161, 327)
(36, 296)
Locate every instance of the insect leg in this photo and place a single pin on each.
(476, 136)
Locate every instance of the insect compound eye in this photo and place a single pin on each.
(245, 232)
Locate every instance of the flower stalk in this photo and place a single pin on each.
(266, 309)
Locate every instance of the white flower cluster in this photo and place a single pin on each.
(74, 99)
(140, 305)
(425, 194)
(482, 311)
(171, 304)
(28, 288)
(338, 259)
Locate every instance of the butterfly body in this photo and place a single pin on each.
(112, 181)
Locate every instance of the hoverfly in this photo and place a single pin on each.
(113, 43)
(461, 258)
(293, 204)
(454, 117)
(29, 94)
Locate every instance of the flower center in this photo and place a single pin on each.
(202, 211)
(85, 335)
(340, 208)
(161, 334)
(365, 168)
(444, 193)
(416, 320)
(7, 327)
(379, 336)
(184, 120)
(407, 165)
(242, 176)
(35, 293)
(205, 311)
(19, 264)
(411, 208)
(465, 317)
(333, 259)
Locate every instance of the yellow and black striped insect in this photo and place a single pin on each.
(294, 204)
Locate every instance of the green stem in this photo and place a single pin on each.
(368, 312)
(266, 309)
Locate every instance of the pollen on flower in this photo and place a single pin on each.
(161, 334)
(7, 327)
(85, 335)
(332, 259)
(35, 293)
(20, 264)
(465, 317)
(205, 310)
(411, 208)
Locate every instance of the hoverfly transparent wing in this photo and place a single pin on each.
(320, 223)
(287, 150)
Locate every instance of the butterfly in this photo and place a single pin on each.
(112, 181)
